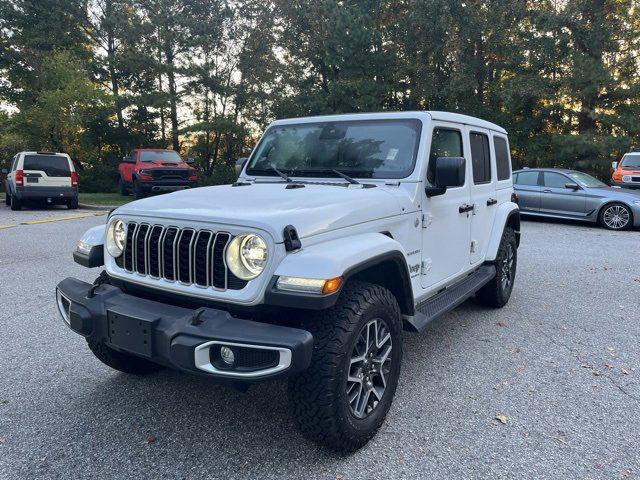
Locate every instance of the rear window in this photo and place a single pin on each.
(52, 165)
(503, 165)
(165, 157)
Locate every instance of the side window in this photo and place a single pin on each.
(445, 142)
(527, 178)
(15, 163)
(555, 180)
(480, 157)
(503, 164)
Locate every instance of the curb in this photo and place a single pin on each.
(86, 206)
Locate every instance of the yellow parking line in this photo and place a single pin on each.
(8, 225)
(61, 219)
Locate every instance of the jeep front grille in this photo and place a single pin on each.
(184, 255)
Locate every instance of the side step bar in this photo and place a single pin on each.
(449, 298)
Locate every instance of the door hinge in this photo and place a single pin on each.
(427, 218)
(426, 266)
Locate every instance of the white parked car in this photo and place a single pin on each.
(42, 177)
(341, 232)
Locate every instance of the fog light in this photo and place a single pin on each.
(227, 355)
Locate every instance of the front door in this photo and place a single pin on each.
(483, 191)
(446, 233)
(557, 199)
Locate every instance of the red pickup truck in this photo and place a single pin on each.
(151, 170)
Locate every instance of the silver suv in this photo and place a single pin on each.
(44, 177)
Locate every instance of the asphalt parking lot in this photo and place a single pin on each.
(547, 387)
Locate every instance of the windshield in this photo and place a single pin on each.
(52, 165)
(631, 161)
(164, 157)
(365, 148)
(587, 180)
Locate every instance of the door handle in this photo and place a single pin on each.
(491, 201)
(464, 208)
(546, 191)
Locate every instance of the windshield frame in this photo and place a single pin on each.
(636, 157)
(325, 172)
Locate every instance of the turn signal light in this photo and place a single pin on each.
(19, 178)
(74, 179)
(331, 285)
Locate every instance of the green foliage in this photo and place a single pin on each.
(98, 78)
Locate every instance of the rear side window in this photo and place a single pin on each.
(503, 165)
(52, 165)
(527, 178)
(480, 157)
(555, 180)
(444, 143)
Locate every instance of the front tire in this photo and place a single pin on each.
(341, 400)
(7, 199)
(138, 192)
(122, 186)
(615, 216)
(497, 292)
(122, 361)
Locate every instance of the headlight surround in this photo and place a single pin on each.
(247, 256)
(116, 237)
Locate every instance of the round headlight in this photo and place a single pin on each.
(116, 236)
(247, 256)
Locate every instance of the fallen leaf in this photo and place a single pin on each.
(585, 365)
(561, 439)
(514, 350)
(597, 373)
(624, 371)
(502, 418)
(501, 324)
(2, 440)
(608, 365)
(151, 439)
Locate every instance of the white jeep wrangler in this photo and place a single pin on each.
(341, 232)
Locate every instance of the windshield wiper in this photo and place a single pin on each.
(281, 174)
(349, 179)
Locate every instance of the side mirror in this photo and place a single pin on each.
(5, 171)
(240, 164)
(614, 165)
(129, 159)
(189, 160)
(449, 172)
(572, 186)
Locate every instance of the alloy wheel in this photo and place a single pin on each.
(369, 368)
(616, 217)
(507, 268)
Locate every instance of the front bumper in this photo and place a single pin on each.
(182, 338)
(169, 185)
(633, 185)
(50, 194)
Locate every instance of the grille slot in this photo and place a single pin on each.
(192, 257)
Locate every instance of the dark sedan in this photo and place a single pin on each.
(563, 193)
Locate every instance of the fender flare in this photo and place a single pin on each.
(508, 214)
(350, 258)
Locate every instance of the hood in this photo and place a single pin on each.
(314, 209)
(619, 193)
(161, 164)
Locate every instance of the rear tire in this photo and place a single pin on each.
(341, 400)
(497, 292)
(123, 362)
(72, 204)
(7, 199)
(16, 204)
(615, 216)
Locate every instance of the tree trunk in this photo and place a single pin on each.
(173, 95)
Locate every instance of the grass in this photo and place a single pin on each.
(106, 199)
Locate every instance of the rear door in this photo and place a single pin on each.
(557, 199)
(46, 171)
(483, 191)
(527, 186)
